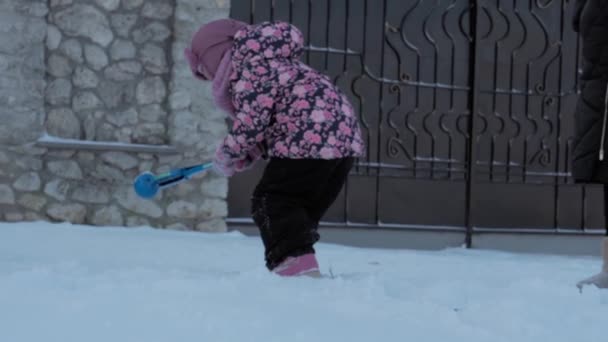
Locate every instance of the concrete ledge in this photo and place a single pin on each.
(558, 244)
(378, 238)
(537, 243)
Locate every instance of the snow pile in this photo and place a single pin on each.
(72, 283)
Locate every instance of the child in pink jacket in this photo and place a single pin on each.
(284, 109)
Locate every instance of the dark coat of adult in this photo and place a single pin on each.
(591, 22)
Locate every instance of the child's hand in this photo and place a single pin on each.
(226, 170)
(228, 167)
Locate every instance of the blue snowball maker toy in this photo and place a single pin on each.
(148, 184)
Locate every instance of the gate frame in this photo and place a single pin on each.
(469, 229)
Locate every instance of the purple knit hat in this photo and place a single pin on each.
(209, 45)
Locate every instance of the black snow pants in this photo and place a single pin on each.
(290, 200)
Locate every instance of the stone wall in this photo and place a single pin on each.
(22, 67)
(109, 72)
(23, 30)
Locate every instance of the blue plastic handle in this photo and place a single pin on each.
(147, 184)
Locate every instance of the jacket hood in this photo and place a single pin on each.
(267, 41)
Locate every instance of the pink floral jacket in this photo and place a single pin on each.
(282, 103)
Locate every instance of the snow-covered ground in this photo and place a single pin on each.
(72, 283)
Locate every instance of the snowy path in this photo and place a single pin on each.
(70, 283)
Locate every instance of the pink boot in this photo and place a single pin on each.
(304, 265)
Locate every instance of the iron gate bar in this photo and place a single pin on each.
(473, 98)
(380, 104)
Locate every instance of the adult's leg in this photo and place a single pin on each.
(600, 280)
(606, 209)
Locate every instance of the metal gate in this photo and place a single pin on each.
(425, 77)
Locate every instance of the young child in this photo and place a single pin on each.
(295, 115)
